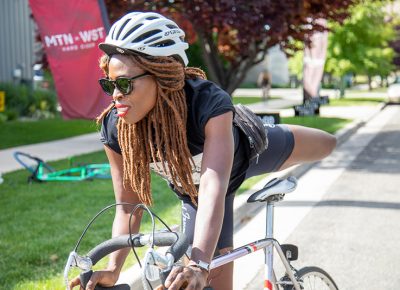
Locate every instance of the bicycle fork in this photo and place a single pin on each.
(269, 275)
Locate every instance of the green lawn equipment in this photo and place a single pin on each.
(41, 171)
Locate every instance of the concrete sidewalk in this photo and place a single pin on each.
(51, 151)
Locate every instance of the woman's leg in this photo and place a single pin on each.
(289, 145)
(310, 145)
(221, 278)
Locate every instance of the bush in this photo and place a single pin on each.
(17, 98)
(23, 101)
(195, 57)
(44, 104)
(3, 117)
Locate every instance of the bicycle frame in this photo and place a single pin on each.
(41, 171)
(268, 244)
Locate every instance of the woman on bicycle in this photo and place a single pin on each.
(164, 114)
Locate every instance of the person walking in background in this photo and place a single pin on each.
(264, 82)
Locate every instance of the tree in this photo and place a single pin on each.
(360, 44)
(395, 45)
(234, 35)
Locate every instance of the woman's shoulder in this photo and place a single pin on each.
(200, 87)
(110, 119)
(109, 133)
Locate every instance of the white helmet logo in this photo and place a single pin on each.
(171, 32)
(120, 50)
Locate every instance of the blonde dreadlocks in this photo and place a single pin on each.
(161, 135)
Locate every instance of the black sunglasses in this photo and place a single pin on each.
(123, 84)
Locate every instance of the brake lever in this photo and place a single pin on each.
(154, 263)
(74, 260)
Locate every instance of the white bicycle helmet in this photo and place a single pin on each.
(146, 32)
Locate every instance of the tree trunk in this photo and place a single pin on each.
(342, 86)
(228, 78)
(369, 83)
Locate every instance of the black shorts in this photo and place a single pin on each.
(280, 146)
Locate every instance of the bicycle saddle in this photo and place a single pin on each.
(274, 190)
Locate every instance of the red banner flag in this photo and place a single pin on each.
(70, 32)
(314, 61)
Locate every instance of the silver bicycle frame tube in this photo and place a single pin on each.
(270, 279)
(269, 250)
(268, 244)
(239, 252)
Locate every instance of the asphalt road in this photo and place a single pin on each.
(353, 232)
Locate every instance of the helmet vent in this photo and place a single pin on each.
(122, 28)
(163, 43)
(170, 26)
(133, 29)
(112, 33)
(146, 35)
(152, 18)
(152, 39)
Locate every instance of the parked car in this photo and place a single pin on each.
(394, 91)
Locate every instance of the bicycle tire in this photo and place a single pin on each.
(314, 278)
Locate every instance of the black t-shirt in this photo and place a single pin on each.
(205, 100)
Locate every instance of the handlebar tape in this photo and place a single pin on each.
(177, 241)
(85, 276)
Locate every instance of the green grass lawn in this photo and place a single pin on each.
(354, 101)
(16, 133)
(330, 125)
(250, 100)
(41, 222)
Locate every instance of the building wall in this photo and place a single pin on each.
(17, 38)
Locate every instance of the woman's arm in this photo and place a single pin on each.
(109, 276)
(215, 173)
(122, 213)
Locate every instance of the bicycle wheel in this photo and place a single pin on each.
(314, 278)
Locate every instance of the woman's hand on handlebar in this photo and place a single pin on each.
(186, 277)
(105, 278)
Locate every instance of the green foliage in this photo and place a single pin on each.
(17, 98)
(195, 57)
(361, 43)
(43, 105)
(295, 62)
(23, 101)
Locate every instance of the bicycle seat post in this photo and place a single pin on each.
(273, 191)
(268, 251)
(269, 219)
